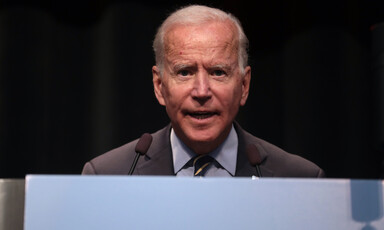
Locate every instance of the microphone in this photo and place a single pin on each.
(141, 149)
(254, 157)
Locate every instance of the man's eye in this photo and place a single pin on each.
(183, 73)
(218, 73)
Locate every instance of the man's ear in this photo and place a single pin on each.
(246, 81)
(158, 84)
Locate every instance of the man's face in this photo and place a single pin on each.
(202, 86)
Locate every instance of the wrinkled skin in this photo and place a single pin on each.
(202, 86)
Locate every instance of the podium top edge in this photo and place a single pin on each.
(142, 177)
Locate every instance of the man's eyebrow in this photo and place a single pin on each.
(221, 66)
(182, 66)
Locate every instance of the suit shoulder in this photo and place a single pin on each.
(119, 160)
(286, 164)
(115, 161)
(280, 162)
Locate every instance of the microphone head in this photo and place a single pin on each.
(253, 154)
(143, 144)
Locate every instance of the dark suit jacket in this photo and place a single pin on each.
(275, 161)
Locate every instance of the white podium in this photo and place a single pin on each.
(123, 202)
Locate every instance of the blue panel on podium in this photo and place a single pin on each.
(122, 202)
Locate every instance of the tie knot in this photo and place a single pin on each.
(201, 163)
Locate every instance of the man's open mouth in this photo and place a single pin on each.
(202, 115)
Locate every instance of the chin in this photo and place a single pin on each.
(203, 137)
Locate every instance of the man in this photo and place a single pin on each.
(202, 78)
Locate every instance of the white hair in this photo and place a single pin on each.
(195, 15)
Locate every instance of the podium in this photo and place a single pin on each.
(122, 202)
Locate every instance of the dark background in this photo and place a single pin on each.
(75, 81)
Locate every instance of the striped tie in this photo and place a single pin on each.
(201, 163)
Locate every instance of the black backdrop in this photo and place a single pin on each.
(75, 81)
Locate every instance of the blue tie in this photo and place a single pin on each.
(201, 163)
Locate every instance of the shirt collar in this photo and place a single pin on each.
(225, 154)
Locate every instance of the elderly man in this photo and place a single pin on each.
(202, 78)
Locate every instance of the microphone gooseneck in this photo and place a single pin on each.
(254, 157)
(141, 149)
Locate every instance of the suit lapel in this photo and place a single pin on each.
(159, 157)
(243, 167)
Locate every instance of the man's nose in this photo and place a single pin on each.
(202, 88)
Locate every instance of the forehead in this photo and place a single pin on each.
(202, 36)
